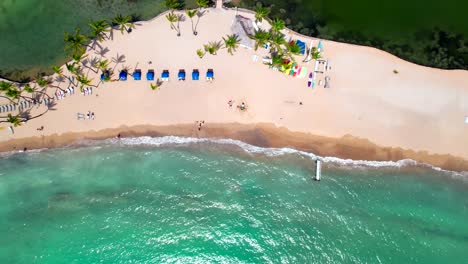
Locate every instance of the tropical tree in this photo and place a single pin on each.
(315, 53)
(5, 86)
(277, 41)
(13, 93)
(103, 64)
(277, 60)
(154, 86)
(293, 48)
(123, 23)
(83, 80)
(173, 18)
(212, 47)
(75, 43)
(200, 53)
(28, 88)
(99, 29)
(277, 25)
(14, 120)
(72, 68)
(260, 37)
(58, 70)
(78, 57)
(173, 4)
(202, 3)
(231, 42)
(191, 14)
(43, 82)
(261, 13)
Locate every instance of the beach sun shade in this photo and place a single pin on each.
(301, 45)
(195, 75)
(210, 74)
(123, 76)
(181, 75)
(137, 75)
(150, 75)
(165, 74)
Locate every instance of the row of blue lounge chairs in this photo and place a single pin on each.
(164, 75)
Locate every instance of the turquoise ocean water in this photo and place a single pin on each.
(147, 200)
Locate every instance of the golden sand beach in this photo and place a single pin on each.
(369, 111)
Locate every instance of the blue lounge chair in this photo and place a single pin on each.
(181, 75)
(137, 75)
(301, 45)
(165, 75)
(105, 75)
(195, 75)
(123, 75)
(209, 75)
(150, 75)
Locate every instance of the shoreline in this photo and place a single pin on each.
(370, 113)
(261, 135)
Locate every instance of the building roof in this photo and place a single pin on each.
(243, 28)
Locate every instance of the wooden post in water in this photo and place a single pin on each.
(318, 169)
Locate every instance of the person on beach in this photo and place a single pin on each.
(230, 103)
(40, 128)
(92, 115)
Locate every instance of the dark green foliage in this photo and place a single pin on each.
(434, 47)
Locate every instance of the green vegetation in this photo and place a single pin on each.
(173, 18)
(123, 23)
(231, 42)
(430, 33)
(213, 47)
(200, 53)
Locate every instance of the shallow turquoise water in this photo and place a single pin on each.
(209, 203)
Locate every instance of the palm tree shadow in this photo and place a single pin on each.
(118, 59)
(103, 51)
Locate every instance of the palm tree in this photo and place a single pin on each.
(293, 48)
(154, 86)
(103, 64)
(5, 86)
(173, 18)
(277, 25)
(123, 23)
(58, 70)
(75, 43)
(261, 13)
(28, 88)
(191, 14)
(202, 3)
(78, 57)
(83, 80)
(173, 4)
(212, 47)
(260, 37)
(277, 40)
(99, 29)
(276, 60)
(231, 42)
(200, 53)
(14, 120)
(13, 93)
(72, 68)
(43, 82)
(315, 53)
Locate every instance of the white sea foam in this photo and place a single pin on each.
(175, 140)
(271, 152)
